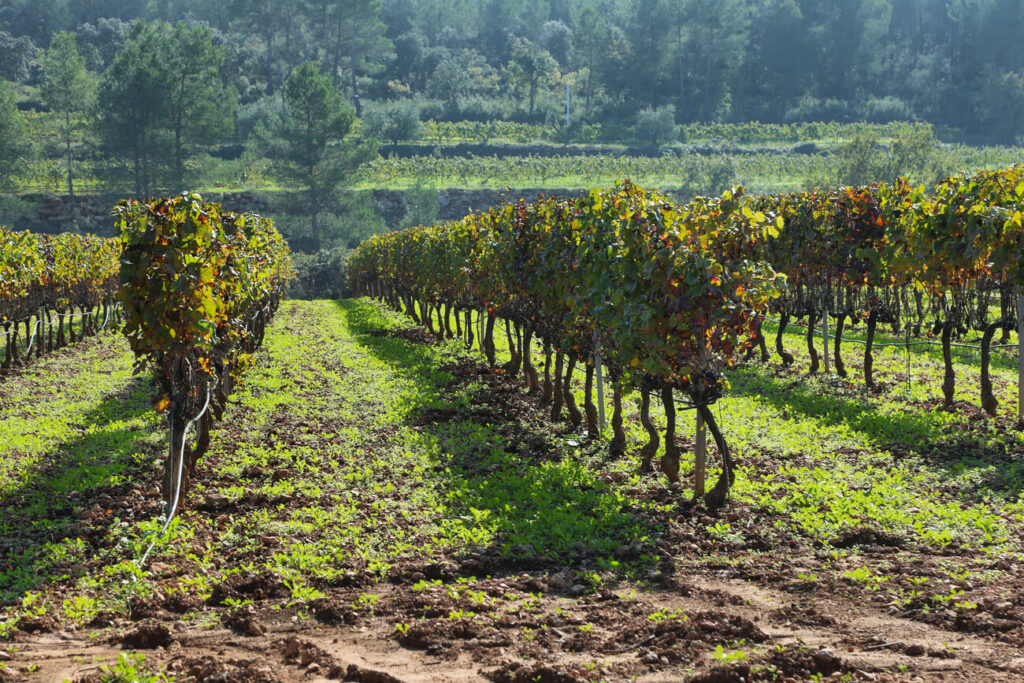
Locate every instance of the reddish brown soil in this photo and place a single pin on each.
(563, 630)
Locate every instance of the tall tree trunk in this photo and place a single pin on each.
(352, 64)
(314, 216)
(71, 186)
(682, 73)
(707, 86)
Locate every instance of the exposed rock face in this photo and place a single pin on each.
(92, 213)
(455, 204)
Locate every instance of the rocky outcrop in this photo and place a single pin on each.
(454, 204)
(92, 213)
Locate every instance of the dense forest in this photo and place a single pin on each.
(162, 95)
(950, 62)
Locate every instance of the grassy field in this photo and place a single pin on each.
(379, 502)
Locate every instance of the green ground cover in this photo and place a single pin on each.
(356, 448)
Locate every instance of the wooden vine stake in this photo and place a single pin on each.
(700, 452)
(824, 333)
(1020, 359)
(700, 449)
(600, 381)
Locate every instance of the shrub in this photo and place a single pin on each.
(656, 126)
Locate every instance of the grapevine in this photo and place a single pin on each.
(198, 286)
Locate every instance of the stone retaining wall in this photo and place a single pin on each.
(92, 213)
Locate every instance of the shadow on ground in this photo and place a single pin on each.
(505, 463)
(62, 513)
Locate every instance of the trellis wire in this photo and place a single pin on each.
(49, 323)
(923, 342)
(600, 380)
(1020, 356)
(181, 468)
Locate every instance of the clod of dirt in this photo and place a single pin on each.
(243, 620)
(140, 608)
(103, 619)
(517, 672)
(257, 586)
(801, 616)
(864, 536)
(724, 674)
(40, 624)
(216, 501)
(147, 637)
(179, 603)
(804, 664)
(354, 673)
(334, 612)
(207, 668)
(416, 335)
(436, 634)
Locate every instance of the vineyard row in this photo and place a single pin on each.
(43, 280)
(670, 294)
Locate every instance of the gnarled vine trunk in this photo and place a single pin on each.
(812, 321)
(787, 358)
(488, 341)
(530, 372)
(617, 447)
(869, 359)
(575, 416)
(651, 447)
(512, 366)
(547, 390)
(949, 377)
(761, 345)
(989, 403)
(559, 398)
(670, 460)
(589, 408)
(717, 496)
(837, 344)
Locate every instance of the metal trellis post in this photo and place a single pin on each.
(600, 381)
(824, 332)
(700, 453)
(1020, 356)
